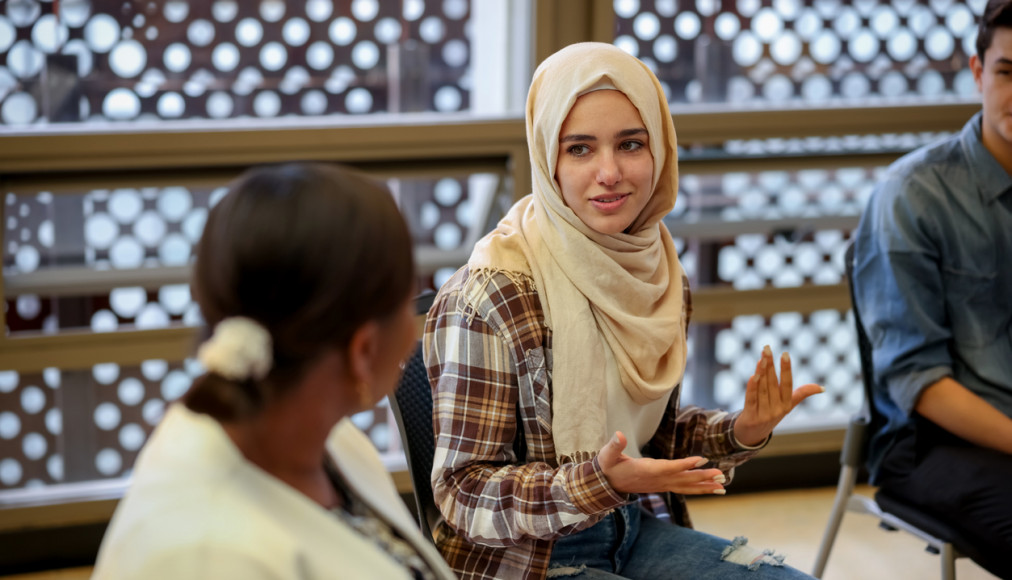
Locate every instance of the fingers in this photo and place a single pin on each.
(648, 475)
(752, 392)
(780, 392)
(709, 487)
(805, 391)
(756, 387)
(685, 477)
(687, 463)
(769, 373)
(786, 378)
(699, 481)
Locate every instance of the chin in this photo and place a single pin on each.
(609, 229)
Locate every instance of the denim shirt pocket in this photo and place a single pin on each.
(974, 307)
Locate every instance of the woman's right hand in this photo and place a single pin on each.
(646, 475)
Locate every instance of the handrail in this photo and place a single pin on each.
(88, 147)
(714, 124)
(407, 137)
(80, 349)
(84, 281)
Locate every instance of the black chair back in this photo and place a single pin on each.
(873, 420)
(412, 407)
(412, 404)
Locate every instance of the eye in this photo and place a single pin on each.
(631, 145)
(578, 150)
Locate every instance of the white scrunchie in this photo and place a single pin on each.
(239, 349)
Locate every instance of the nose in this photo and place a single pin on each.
(608, 171)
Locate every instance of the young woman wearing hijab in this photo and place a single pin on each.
(566, 331)
(305, 274)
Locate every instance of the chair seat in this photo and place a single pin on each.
(917, 517)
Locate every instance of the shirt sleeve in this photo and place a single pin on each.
(690, 430)
(481, 491)
(899, 291)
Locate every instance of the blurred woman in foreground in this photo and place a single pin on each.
(305, 275)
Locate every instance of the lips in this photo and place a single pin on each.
(609, 198)
(609, 201)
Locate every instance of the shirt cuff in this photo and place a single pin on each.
(907, 389)
(596, 494)
(741, 446)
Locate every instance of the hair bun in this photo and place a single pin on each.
(240, 349)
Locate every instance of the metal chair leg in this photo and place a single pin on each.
(947, 557)
(844, 489)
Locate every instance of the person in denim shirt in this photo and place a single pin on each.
(933, 286)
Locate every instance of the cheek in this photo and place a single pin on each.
(409, 334)
(1003, 94)
(645, 173)
(568, 181)
(401, 340)
(410, 342)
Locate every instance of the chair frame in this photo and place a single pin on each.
(412, 392)
(409, 403)
(852, 458)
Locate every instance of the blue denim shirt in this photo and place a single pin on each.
(933, 278)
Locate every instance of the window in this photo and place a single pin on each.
(791, 52)
(782, 223)
(98, 61)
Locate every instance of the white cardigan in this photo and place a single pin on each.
(196, 508)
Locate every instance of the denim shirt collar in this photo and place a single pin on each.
(992, 179)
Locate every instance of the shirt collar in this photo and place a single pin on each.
(992, 179)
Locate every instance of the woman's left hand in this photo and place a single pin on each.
(767, 400)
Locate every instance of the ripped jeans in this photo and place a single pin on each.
(629, 543)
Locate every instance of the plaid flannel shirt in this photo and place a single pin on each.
(488, 353)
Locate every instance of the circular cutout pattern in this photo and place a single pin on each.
(182, 51)
(820, 47)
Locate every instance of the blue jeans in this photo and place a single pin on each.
(629, 543)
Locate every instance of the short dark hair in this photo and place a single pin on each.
(311, 252)
(997, 14)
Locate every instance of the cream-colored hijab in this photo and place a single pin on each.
(613, 302)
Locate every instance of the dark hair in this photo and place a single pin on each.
(997, 14)
(311, 252)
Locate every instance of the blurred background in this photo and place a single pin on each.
(121, 121)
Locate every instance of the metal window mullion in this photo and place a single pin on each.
(78, 443)
(704, 333)
(3, 250)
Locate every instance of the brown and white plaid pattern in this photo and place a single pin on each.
(486, 346)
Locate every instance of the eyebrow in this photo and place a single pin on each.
(620, 134)
(1002, 61)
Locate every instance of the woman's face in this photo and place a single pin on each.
(605, 167)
